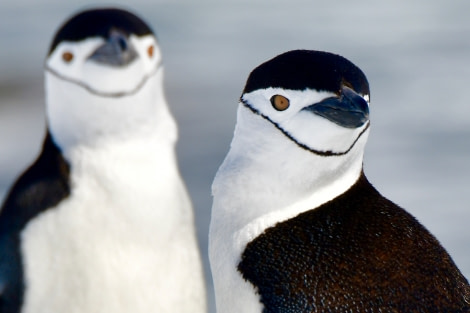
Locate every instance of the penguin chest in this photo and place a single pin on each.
(111, 246)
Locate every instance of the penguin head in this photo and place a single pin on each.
(103, 77)
(109, 52)
(318, 100)
(302, 126)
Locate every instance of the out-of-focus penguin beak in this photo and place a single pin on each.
(116, 51)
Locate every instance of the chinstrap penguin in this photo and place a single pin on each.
(296, 226)
(102, 221)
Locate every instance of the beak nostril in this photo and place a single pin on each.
(122, 43)
(116, 51)
(119, 39)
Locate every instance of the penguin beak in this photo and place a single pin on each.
(116, 51)
(349, 110)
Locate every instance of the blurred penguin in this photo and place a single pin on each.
(102, 221)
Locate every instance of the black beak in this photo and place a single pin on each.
(116, 51)
(348, 110)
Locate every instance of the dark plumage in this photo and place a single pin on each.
(99, 22)
(43, 185)
(357, 253)
(301, 69)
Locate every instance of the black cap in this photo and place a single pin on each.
(302, 69)
(99, 23)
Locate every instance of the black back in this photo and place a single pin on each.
(41, 186)
(99, 23)
(357, 253)
(302, 69)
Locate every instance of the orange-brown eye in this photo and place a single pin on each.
(279, 102)
(67, 56)
(150, 51)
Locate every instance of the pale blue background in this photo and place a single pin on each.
(416, 55)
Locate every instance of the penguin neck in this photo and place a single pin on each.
(78, 119)
(143, 165)
(267, 178)
(115, 143)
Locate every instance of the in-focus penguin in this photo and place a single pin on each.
(296, 226)
(102, 222)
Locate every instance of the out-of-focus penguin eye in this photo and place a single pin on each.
(67, 56)
(279, 102)
(150, 51)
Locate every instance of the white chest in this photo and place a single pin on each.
(123, 241)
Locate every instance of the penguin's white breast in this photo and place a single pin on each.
(115, 243)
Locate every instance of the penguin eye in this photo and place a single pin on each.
(67, 56)
(150, 51)
(279, 102)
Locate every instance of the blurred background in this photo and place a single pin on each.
(416, 55)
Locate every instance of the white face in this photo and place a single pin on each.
(70, 61)
(90, 103)
(307, 129)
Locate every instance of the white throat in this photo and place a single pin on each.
(78, 118)
(266, 178)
